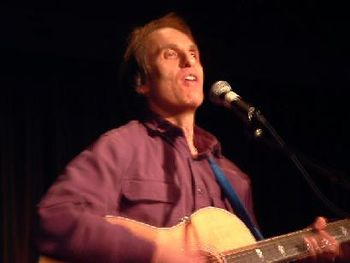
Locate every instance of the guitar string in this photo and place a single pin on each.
(273, 254)
(270, 248)
(293, 242)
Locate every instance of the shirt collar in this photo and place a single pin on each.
(204, 141)
(160, 126)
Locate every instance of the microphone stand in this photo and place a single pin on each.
(255, 115)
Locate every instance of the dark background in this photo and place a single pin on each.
(290, 59)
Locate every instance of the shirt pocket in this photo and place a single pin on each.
(151, 191)
(151, 202)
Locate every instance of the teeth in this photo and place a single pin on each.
(191, 77)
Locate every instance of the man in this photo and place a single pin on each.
(154, 170)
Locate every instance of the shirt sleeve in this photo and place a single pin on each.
(71, 224)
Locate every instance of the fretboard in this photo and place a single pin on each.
(286, 248)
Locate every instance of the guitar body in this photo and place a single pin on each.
(225, 238)
(209, 229)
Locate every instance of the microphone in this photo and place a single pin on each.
(222, 94)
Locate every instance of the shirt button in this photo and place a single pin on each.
(199, 191)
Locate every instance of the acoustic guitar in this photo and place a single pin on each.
(223, 237)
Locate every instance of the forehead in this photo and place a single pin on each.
(168, 36)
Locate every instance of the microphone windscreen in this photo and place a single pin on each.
(221, 92)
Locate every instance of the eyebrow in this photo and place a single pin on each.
(192, 47)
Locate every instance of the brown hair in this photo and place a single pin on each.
(136, 42)
(133, 69)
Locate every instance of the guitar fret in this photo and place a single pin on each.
(271, 252)
(340, 231)
(285, 248)
(344, 231)
(282, 250)
(246, 257)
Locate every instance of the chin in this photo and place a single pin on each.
(195, 105)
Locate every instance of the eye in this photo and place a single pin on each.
(193, 54)
(170, 53)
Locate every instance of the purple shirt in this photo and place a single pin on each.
(143, 171)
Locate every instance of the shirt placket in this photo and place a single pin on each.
(200, 192)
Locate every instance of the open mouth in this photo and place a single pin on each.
(191, 77)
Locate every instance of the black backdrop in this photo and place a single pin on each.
(58, 93)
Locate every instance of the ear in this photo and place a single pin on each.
(143, 90)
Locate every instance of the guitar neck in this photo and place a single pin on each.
(286, 248)
(224, 238)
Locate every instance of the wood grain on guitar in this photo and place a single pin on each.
(225, 238)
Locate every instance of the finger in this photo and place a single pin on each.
(316, 252)
(312, 248)
(322, 247)
(330, 247)
(320, 223)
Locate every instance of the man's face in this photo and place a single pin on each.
(174, 81)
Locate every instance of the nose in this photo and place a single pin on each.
(188, 60)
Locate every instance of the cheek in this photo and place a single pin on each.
(166, 70)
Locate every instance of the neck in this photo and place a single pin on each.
(186, 122)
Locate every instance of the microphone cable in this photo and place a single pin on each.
(221, 93)
(328, 203)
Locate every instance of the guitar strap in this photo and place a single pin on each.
(234, 199)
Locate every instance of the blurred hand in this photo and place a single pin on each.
(322, 246)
